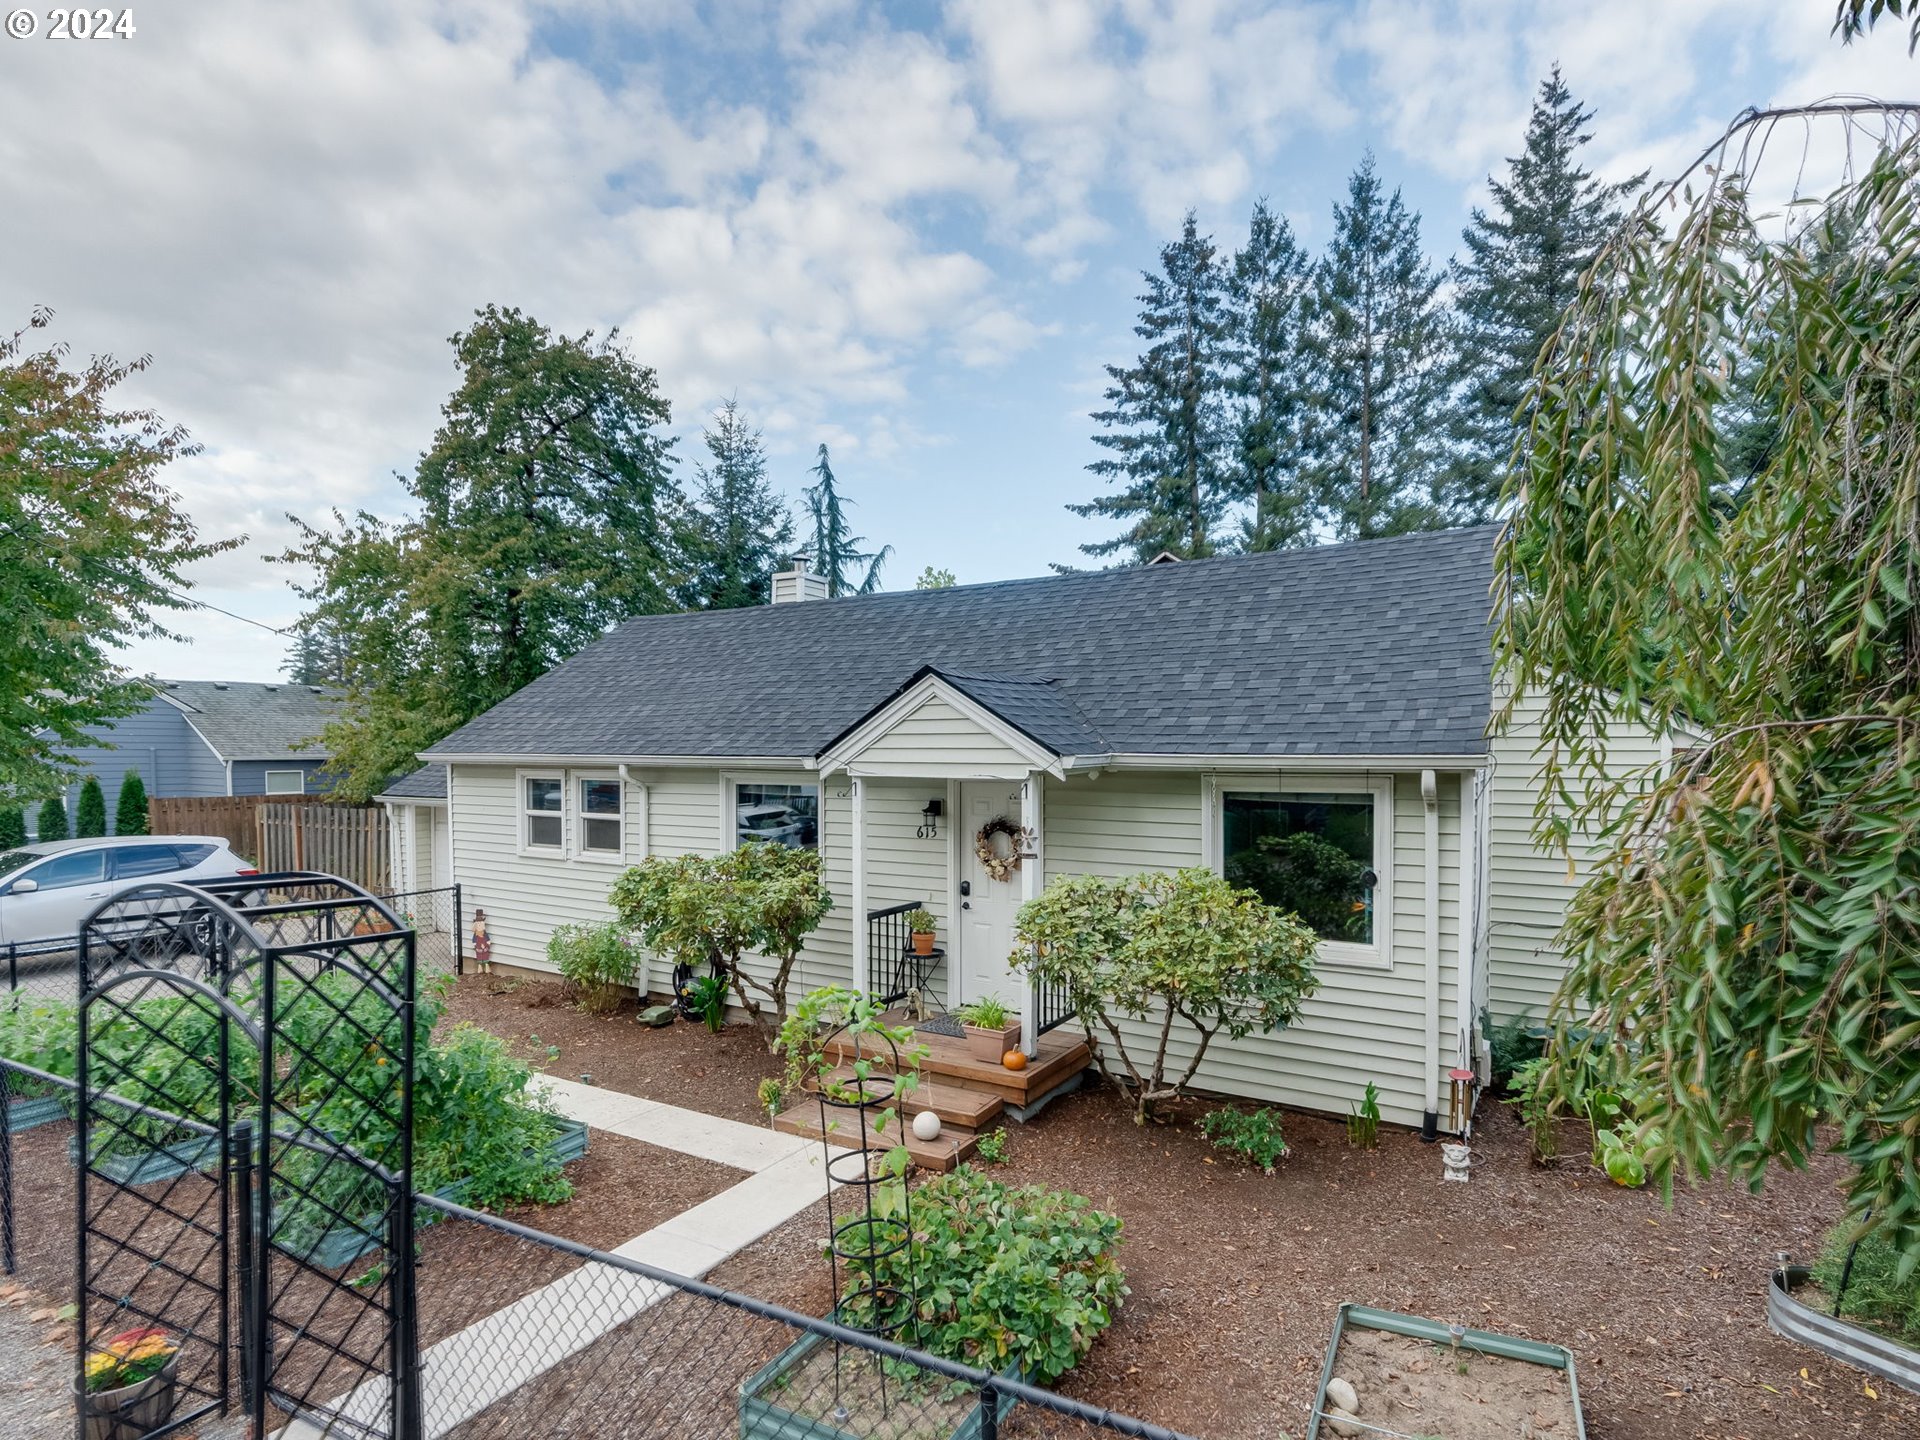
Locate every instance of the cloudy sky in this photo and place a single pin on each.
(912, 231)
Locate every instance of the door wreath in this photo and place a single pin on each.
(998, 866)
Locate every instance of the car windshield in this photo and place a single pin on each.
(12, 860)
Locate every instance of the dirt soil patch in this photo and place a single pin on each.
(1404, 1386)
(1236, 1276)
(679, 1064)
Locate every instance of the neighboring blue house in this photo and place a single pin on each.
(214, 737)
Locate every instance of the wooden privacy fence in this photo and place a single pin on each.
(345, 840)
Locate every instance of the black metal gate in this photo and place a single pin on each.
(245, 1119)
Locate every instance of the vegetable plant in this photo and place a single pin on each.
(994, 1275)
(1876, 1294)
(598, 962)
(1253, 1135)
(1162, 950)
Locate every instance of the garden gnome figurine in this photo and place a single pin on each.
(1456, 1159)
(482, 942)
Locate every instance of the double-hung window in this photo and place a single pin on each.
(601, 830)
(1320, 853)
(543, 819)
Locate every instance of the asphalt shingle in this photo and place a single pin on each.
(246, 720)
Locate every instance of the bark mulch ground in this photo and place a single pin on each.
(680, 1064)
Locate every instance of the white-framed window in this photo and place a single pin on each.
(1321, 849)
(286, 782)
(543, 813)
(600, 806)
(771, 810)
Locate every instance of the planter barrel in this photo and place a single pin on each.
(1835, 1338)
(133, 1411)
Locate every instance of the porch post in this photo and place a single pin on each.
(1032, 880)
(862, 961)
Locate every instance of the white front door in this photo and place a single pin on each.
(988, 906)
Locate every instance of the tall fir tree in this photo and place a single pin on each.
(739, 531)
(1268, 288)
(1524, 257)
(90, 814)
(317, 656)
(1378, 344)
(13, 827)
(130, 810)
(51, 822)
(1166, 422)
(836, 549)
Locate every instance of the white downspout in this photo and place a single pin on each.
(1430, 798)
(862, 960)
(1032, 882)
(644, 984)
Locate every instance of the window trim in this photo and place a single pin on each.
(300, 776)
(526, 812)
(731, 780)
(1377, 955)
(573, 804)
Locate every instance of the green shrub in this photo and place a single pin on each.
(1876, 1295)
(707, 998)
(51, 822)
(1512, 1043)
(1000, 1274)
(13, 827)
(989, 1012)
(598, 962)
(90, 814)
(130, 810)
(1253, 1135)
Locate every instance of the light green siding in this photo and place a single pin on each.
(937, 739)
(902, 868)
(1529, 888)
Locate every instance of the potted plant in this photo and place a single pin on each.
(920, 925)
(991, 1030)
(130, 1384)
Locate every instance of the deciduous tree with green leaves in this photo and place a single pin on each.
(93, 550)
(548, 513)
(1160, 949)
(90, 812)
(1750, 943)
(932, 578)
(130, 810)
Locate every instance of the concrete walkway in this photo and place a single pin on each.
(488, 1360)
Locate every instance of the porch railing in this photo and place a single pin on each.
(1051, 1005)
(895, 968)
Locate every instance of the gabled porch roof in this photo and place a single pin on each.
(1022, 723)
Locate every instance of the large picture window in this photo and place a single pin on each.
(1315, 854)
(542, 803)
(769, 813)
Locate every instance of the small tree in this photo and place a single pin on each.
(1156, 948)
(13, 827)
(130, 811)
(760, 899)
(52, 820)
(90, 815)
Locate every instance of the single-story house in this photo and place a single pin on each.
(1326, 705)
(214, 737)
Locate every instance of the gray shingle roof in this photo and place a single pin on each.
(1374, 648)
(429, 782)
(246, 720)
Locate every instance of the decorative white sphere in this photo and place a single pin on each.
(926, 1126)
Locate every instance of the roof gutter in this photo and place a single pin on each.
(1317, 762)
(484, 757)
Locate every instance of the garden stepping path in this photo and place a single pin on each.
(470, 1370)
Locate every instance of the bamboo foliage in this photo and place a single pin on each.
(1749, 947)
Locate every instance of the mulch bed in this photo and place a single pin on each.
(680, 1064)
(1236, 1276)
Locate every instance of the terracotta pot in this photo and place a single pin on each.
(990, 1045)
(132, 1411)
(923, 942)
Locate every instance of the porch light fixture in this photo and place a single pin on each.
(930, 820)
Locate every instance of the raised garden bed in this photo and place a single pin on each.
(796, 1396)
(1414, 1377)
(40, 1110)
(149, 1167)
(1835, 1338)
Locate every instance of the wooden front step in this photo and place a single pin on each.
(954, 1103)
(955, 1143)
(1063, 1054)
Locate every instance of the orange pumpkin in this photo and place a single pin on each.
(1014, 1060)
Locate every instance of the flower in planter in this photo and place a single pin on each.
(129, 1358)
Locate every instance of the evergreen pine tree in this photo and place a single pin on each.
(836, 549)
(130, 810)
(51, 822)
(1165, 422)
(1521, 269)
(740, 531)
(317, 655)
(1378, 343)
(13, 827)
(1267, 290)
(90, 815)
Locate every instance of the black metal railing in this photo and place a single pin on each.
(1052, 1005)
(896, 970)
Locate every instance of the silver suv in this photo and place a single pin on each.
(46, 890)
